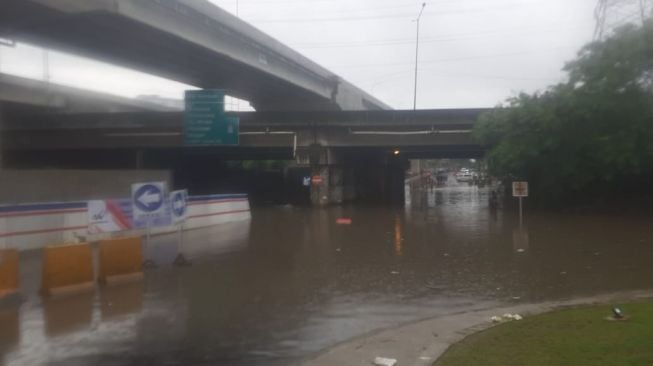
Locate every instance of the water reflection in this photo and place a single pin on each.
(9, 331)
(121, 300)
(398, 239)
(520, 241)
(293, 281)
(67, 313)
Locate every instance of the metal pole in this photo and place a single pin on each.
(180, 239)
(416, 56)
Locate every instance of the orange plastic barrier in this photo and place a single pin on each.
(8, 271)
(67, 268)
(120, 260)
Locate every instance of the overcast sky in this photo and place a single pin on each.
(473, 53)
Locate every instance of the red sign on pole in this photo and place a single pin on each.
(316, 179)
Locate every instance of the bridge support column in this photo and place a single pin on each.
(336, 186)
(332, 186)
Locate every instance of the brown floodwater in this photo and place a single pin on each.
(291, 282)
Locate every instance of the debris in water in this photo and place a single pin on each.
(505, 317)
(343, 221)
(384, 361)
(496, 319)
(617, 314)
(395, 272)
(563, 273)
(338, 249)
(521, 250)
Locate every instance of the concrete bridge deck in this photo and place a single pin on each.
(191, 41)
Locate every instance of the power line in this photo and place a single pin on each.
(612, 14)
(464, 58)
(386, 78)
(383, 16)
(410, 41)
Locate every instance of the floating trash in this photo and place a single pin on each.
(505, 318)
(617, 314)
(384, 361)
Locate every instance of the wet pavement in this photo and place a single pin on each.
(292, 282)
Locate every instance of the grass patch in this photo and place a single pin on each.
(575, 337)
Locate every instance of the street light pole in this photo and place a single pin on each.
(416, 55)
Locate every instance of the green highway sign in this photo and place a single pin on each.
(205, 121)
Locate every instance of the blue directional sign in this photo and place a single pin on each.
(148, 204)
(178, 205)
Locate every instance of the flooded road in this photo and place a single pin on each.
(292, 282)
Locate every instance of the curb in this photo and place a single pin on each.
(421, 343)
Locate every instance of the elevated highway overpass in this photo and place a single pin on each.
(191, 41)
(353, 151)
(25, 95)
(47, 127)
(264, 135)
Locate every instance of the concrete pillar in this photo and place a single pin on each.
(349, 184)
(325, 164)
(336, 184)
(331, 188)
(139, 159)
(320, 191)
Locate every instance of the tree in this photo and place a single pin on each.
(589, 138)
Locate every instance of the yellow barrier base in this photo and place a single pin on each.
(67, 269)
(8, 272)
(120, 260)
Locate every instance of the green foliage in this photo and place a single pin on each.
(568, 337)
(590, 137)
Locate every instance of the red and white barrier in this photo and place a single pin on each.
(31, 226)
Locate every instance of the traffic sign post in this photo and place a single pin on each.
(179, 209)
(148, 207)
(520, 190)
(205, 121)
(316, 179)
(178, 206)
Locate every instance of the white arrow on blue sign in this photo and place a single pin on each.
(148, 203)
(178, 205)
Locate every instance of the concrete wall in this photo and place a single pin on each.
(18, 186)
